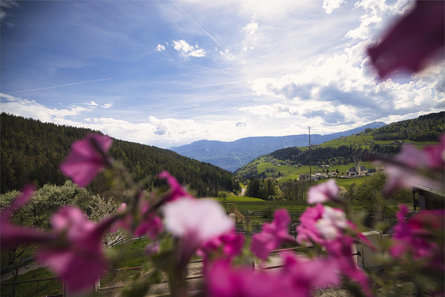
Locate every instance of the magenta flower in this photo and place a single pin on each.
(331, 223)
(176, 190)
(322, 224)
(298, 278)
(340, 251)
(195, 222)
(150, 226)
(327, 226)
(408, 173)
(271, 235)
(305, 275)
(412, 41)
(78, 260)
(435, 154)
(323, 192)
(152, 248)
(87, 158)
(414, 236)
(229, 242)
(224, 281)
(308, 231)
(147, 223)
(12, 235)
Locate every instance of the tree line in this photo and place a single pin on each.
(424, 128)
(31, 151)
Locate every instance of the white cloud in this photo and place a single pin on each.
(251, 27)
(92, 103)
(32, 109)
(160, 48)
(377, 15)
(107, 105)
(188, 50)
(330, 5)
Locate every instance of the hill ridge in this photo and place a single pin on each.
(32, 151)
(232, 155)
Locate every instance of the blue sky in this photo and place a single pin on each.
(167, 73)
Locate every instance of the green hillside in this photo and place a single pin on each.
(341, 154)
(32, 151)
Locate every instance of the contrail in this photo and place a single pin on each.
(64, 85)
(199, 26)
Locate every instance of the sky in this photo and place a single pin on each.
(167, 73)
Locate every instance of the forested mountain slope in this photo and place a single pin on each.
(32, 151)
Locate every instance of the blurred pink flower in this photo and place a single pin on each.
(435, 154)
(323, 225)
(148, 224)
(12, 235)
(86, 159)
(176, 190)
(271, 235)
(151, 226)
(230, 242)
(414, 39)
(340, 251)
(308, 231)
(79, 259)
(331, 222)
(414, 236)
(298, 278)
(222, 280)
(323, 192)
(412, 162)
(152, 248)
(195, 222)
(305, 275)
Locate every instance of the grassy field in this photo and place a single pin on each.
(42, 288)
(361, 140)
(292, 172)
(291, 206)
(238, 199)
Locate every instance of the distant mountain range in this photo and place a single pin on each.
(235, 154)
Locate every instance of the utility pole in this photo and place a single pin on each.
(310, 167)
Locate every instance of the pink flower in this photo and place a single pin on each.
(435, 154)
(323, 192)
(340, 251)
(151, 226)
(331, 222)
(12, 235)
(298, 278)
(79, 259)
(306, 275)
(409, 173)
(272, 235)
(224, 281)
(322, 224)
(230, 242)
(176, 190)
(308, 231)
(195, 222)
(145, 223)
(412, 41)
(152, 248)
(415, 236)
(87, 158)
